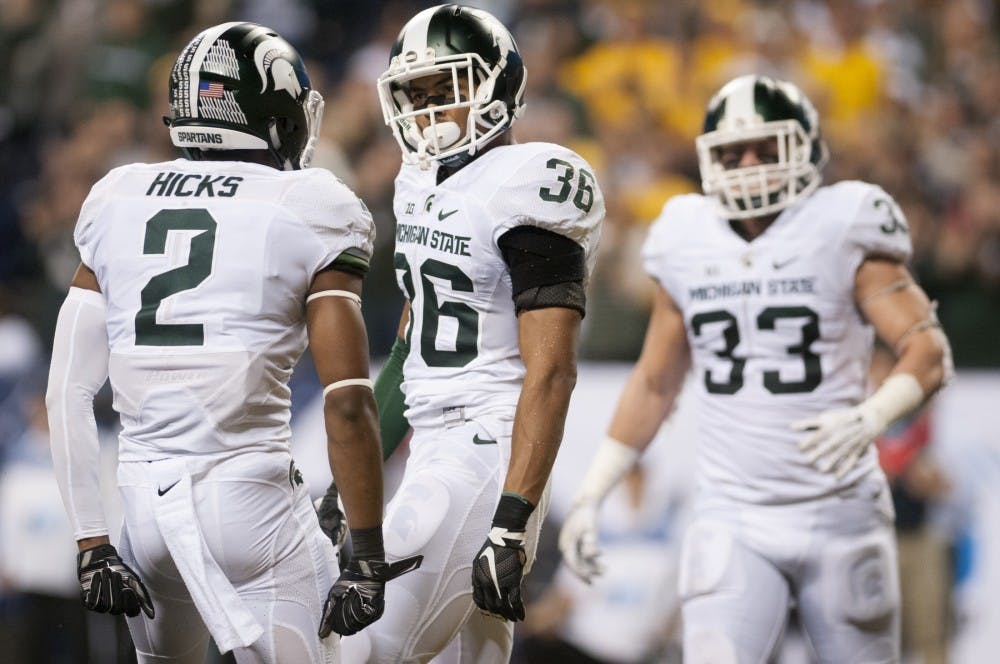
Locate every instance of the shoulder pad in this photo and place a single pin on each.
(332, 211)
(549, 186)
(86, 231)
(877, 226)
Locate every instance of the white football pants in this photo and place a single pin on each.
(742, 564)
(257, 526)
(443, 509)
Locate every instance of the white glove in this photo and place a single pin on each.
(578, 541)
(840, 437)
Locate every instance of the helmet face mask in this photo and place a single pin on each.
(487, 76)
(240, 86)
(753, 110)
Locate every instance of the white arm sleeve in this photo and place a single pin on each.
(79, 368)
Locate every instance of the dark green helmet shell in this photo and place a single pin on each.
(772, 100)
(455, 30)
(239, 86)
(456, 39)
(747, 110)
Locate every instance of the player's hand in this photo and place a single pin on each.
(107, 585)
(357, 599)
(331, 517)
(578, 541)
(838, 438)
(497, 572)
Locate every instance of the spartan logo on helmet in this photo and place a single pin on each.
(488, 78)
(270, 57)
(250, 87)
(753, 109)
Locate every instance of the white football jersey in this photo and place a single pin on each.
(205, 268)
(774, 332)
(463, 329)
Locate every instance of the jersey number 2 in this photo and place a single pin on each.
(184, 277)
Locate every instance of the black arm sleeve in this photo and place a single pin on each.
(546, 269)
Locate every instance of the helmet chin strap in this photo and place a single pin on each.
(423, 159)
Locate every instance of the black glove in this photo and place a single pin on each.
(331, 519)
(107, 585)
(357, 599)
(499, 565)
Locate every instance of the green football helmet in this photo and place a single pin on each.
(240, 86)
(488, 78)
(751, 109)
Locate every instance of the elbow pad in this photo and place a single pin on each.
(78, 370)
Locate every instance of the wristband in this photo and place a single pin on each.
(367, 543)
(512, 512)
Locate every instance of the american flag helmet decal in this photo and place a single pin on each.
(212, 89)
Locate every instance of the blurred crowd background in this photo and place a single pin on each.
(908, 93)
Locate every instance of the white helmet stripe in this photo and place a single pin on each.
(415, 38)
(194, 67)
(741, 103)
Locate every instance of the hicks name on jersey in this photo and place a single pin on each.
(704, 293)
(169, 183)
(446, 242)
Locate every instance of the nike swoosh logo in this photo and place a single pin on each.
(777, 265)
(160, 491)
(476, 440)
(492, 564)
(442, 215)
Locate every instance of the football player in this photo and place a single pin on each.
(770, 290)
(494, 242)
(201, 280)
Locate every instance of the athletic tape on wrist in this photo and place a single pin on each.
(899, 395)
(613, 459)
